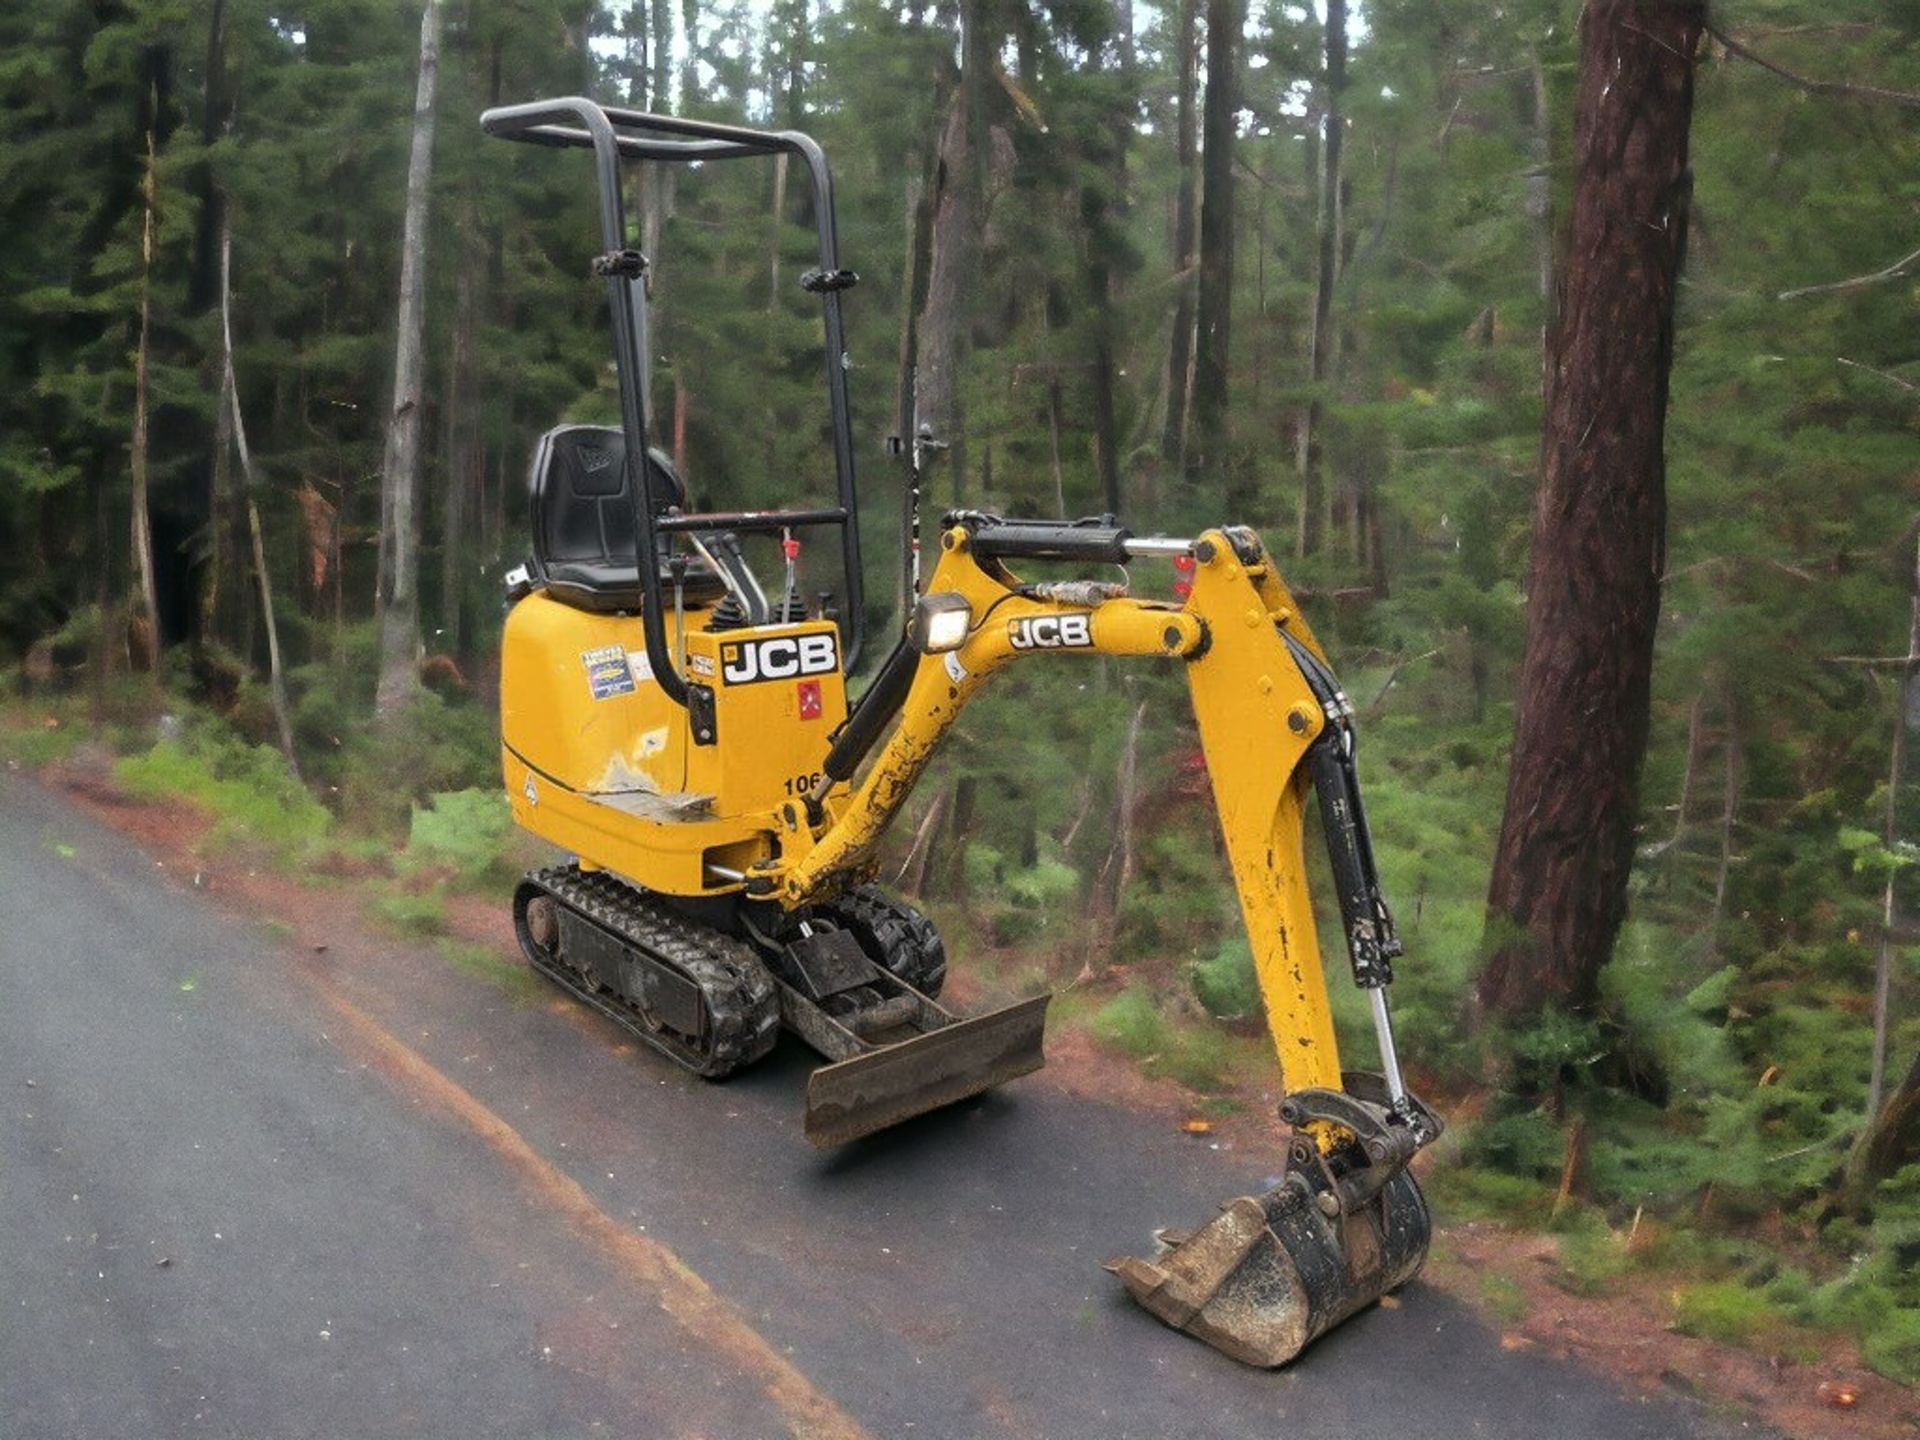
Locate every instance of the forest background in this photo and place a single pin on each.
(1203, 261)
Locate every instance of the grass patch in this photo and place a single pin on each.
(486, 964)
(1728, 1312)
(1225, 982)
(1131, 1024)
(1196, 1056)
(413, 913)
(1503, 1297)
(464, 834)
(1470, 1192)
(32, 741)
(247, 789)
(1592, 1257)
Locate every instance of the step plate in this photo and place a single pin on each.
(896, 1082)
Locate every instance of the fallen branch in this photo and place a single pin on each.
(1905, 99)
(1891, 379)
(1856, 282)
(1393, 676)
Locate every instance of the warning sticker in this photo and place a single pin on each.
(607, 671)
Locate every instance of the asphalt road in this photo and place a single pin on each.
(251, 1190)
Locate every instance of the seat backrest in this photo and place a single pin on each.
(581, 510)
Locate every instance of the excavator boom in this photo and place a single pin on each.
(1347, 1223)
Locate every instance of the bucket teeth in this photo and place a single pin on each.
(1273, 1272)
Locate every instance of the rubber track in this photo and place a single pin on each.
(743, 1009)
(894, 934)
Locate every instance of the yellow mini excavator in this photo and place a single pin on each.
(689, 739)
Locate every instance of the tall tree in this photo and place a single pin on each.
(146, 593)
(1559, 886)
(234, 429)
(1310, 444)
(959, 202)
(400, 470)
(1186, 201)
(1213, 322)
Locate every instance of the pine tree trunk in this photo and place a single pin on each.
(236, 427)
(399, 683)
(661, 40)
(1213, 323)
(1310, 446)
(202, 290)
(1540, 197)
(1103, 215)
(1908, 719)
(1893, 1139)
(1559, 885)
(1186, 201)
(778, 223)
(955, 246)
(462, 459)
(146, 594)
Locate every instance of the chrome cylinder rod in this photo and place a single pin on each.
(1156, 545)
(1389, 1057)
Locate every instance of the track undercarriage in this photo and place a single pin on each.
(853, 977)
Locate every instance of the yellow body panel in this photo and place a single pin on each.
(768, 749)
(597, 760)
(566, 712)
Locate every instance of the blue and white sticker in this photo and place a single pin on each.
(608, 673)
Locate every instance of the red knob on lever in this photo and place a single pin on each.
(1183, 573)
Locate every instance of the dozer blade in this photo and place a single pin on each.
(1273, 1272)
(891, 1083)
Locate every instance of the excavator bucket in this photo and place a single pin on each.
(1273, 1272)
(891, 1082)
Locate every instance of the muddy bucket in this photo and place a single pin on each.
(1274, 1272)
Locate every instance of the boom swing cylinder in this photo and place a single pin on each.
(690, 741)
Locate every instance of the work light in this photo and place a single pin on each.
(940, 623)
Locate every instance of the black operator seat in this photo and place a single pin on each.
(583, 525)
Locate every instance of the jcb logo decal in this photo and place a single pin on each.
(1051, 632)
(785, 657)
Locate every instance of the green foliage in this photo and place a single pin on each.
(462, 832)
(1727, 1311)
(1471, 1192)
(1131, 1024)
(1592, 1258)
(1503, 1297)
(384, 774)
(1226, 983)
(415, 912)
(247, 789)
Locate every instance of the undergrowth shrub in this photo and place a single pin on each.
(464, 833)
(247, 789)
(1225, 982)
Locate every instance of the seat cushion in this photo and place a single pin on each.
(583, 521)
(615, 589)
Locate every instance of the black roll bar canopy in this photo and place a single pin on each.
(614, 134)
